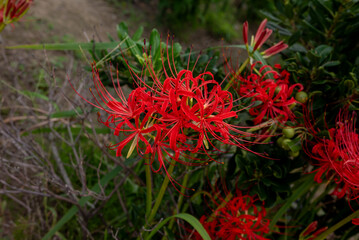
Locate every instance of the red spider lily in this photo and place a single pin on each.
(311, 231)
(239, 218)
(338, 156)
(355, 221)
(260, 38)
(245, 33)
(12, 10)
(272, 95)
(277, 48)
(170, 119)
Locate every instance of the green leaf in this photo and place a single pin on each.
(262, 193)
(177, 48)
(323, 50)
(69, 113)
(320, 81)
(35, 95)
(317, 16)
(298, 48)
(122, 30)
(313, 57)
(331, 64)
(203, 59)
(269, 15)
(155, 41)
(72, 211)
(134, 49)
(311, 94)
(299, 191)
(314, 29)
(138, 34)
(280, 29)
(321, 4)
(188, 218)
(68, 46)
(74, 130)
(295, 145)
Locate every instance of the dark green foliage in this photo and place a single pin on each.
(324, 50)
(138, 52)
(217, 17)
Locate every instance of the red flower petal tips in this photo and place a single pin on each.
(240, 218)
(311, 231)
(260, 38)
(338, 156)
(12, 10)
(277, 48)
(272, 96)
(171, 119)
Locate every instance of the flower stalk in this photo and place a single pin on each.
(148, 187)
(240, 70)
(325, 234)
(160, 194)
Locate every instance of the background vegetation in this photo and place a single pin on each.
(60, 181)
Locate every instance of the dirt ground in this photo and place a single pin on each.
(84, 20)
(81, 19)
(59, 21)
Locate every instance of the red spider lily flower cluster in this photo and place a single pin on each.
(338, 155)
(12, 10)
(270, 91)
(240, 218)
(173, 119)
(260, 38)
(311, 232)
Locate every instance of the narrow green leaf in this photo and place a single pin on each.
(155, 41)
(317, 16)
(69, 113)
(324, 50)
(281, 30)
(338, 225)
(67, 217)
(137, 35)
(34, 95)
(177, 48)
(295, 145)
(298, 48)
(313, 28)
(132, 46)
(74, 130)
(68, 46)
(302, 189)
(321, 4)
(122, 30)
(331, 63)
(188, 218)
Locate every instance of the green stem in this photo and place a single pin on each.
(180, 198)
(338, 225)
(148, 188)
(258, 73)
(161, 193)
(223, 203)
(237, 73)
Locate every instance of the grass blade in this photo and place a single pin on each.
(69, 46)
(188, 218)
(302, 189)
